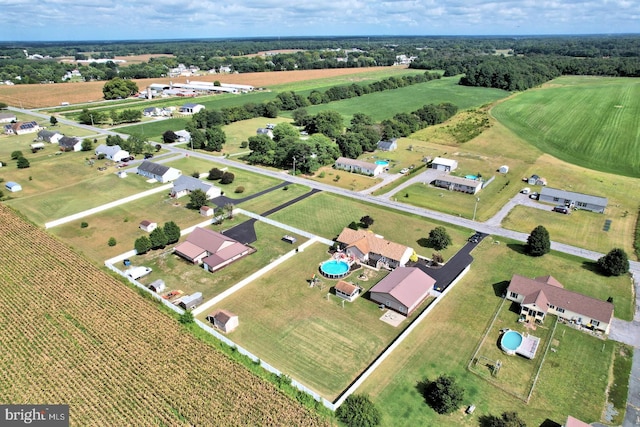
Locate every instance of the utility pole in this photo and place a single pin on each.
(475, 208)
(294, 165)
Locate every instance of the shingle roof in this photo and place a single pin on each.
(190, 183)
(570, 195)
(107, 150)
(346, 287)
(68, 141)
(367, 242)
(355, 162)
(547, 289)
(406, 284)
(222, 316)
(153, 168)
(473, 183)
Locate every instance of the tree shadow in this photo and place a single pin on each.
(487, 420)
(423, 242)
(592, 266)
(500, 288)
(517, 247)
(423, 387)
(550, 423)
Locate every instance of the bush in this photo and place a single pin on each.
(112, 241)
(239, 189)
(142, 245)
(215, 174)
(366, 221)
(83, 224)
(186, 317)
(244, 144)
(615, 263)
(227, 178)
(23, 163)
(444, 395)
(358, 411)
(15, 155)
(353, 225)
(195, 174)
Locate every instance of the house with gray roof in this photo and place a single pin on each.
(7, 117)
(184, 185)
(70, 143)
(358, 166)
(191, 301)
(458, 183)
(573, 200)
(160, 173)
(113, 152)
(390, 145)
(50, 136)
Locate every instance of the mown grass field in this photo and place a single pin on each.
(446, 342)
(87, 340)
(589, 121)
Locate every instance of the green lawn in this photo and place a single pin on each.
(153, 130)
(589, 121)
(295, 328)
(274, 198)
(572, 380)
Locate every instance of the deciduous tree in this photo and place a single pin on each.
(158, 238)
(615, 263)
(142, 245)
(444, 395)
(358, 411)
(197, 199)
(538, 242)
(172, 231)
(438, 238)
(119, 88)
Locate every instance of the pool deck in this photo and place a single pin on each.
(529, 346)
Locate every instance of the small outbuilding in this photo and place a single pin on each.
(503, 169)
(442, 164)
(206, 211)
(347, 291)
(390, 145)
(157, 286)
(191, 301)
(13, 186)
(148, 226)
(224, 320)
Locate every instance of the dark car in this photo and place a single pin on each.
(562, 209)
(148, 156)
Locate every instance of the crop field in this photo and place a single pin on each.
(445, 344)
(87, 340)
(589, 121)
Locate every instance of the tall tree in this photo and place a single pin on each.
(615, 263)
(444, 395)
(119, 88)
(197, 199)
(172, 231)
(142, 245)
(538, 242)
(158, 238)
(53, 120)
(439, 238)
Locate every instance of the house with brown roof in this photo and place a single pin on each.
(148, 226)
(373, 249)
(20, 128)
(358, 166)
(211, 249)
(545, 295)
(224, 320)
(403, 290)
(347, 291)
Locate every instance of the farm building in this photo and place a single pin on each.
(13, 186)
(457, 183)
(224, 320)
(21, 128)
(70, 143)
(536, 180)
(264, 131)
(191, 301)
(157, 286)
(545, 295)
(191, 108)
(347, 291)
(372, 249)
(113, 152)
(390, 145)
(211, 249)
(160, 173)
(184, 185)
(573, 200)
(358, 166)
(7, 117)
(403, 290)
(49, 136)
(148, 226)
(503, 169)
(446, 165)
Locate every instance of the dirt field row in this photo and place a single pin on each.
(41, 95)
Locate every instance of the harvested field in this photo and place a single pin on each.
(39, 95)
(75, 335)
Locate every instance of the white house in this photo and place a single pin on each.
(573, 200)
(457, 183)
(347, 291)
(114, 152)
(442, 164)
(13, 186)
(7, 117)
(183, 135)
(184, 185)
(191, 108)
(21, 128)
(148, 226)
(265, 131)
(160, 173)
(70, 143)
(49, 136)
(358, 166)
(390, 145)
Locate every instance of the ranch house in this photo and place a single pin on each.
(70, 143)
(7, 117)
(191, 108)
(114, 152)
(21, 128)
(184, 185)
(456, 183)
(358, 166)
(49, 136)
(160, 173)
(373, 250)
(403, 290)
(211, 249)
(573, 200)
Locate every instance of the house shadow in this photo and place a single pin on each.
(500, 288)
(550, 423)
(517, 247)
(514, 308)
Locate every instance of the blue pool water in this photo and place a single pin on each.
(511, 340)
(471, 177)
(382, 162)
(334, 267)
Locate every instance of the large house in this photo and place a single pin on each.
(403, 290)
(573, 200)
(445, 165)
(211, 249)
(372, 249)
(191, 108)
(358, 166)
(457, 183)
(70, 143)
(50, 136)
(545, 295)
(160, 173)
(20, 128)
(184, 185)
(113, 152)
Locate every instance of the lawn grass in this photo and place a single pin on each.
(239, 132)
(295, 328)
(153, 130)
(327, 214)
(619, 384)
(589, 121)
(343, 179)
(447, 340)
(274, 198)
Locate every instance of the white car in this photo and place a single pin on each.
(138, 272)
(533, 195)
(405, 170)
(526, 190)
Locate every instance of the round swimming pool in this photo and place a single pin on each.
(511, 341)
(382, 163)
(334, 269)
(471, 177)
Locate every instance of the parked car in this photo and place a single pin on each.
(562, 209)
(405, 170)
(534, 195)
(526, 190)
(148, 156)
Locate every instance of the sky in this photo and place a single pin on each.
(78, 20)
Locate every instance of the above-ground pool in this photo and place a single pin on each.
(510, 342)
(471, 177)
(334, 269)
(382, 163)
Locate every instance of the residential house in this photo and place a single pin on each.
(183, 136)
(152, 112)
(157, 286)
(190, 302)
(347, 291)
(224, 320)
(184, 185)
(211, 249)
(160, 173)
(13, 186)
(191, 108)
(373, 249)
(50, 136)
(113, 152)
(264, 131)
(7, 117)
(574, 422)
(148, 226)
(545, 295)
(573, 200)
(21, 128)
(390, 145)
(442, 164)
(457, 183)
(403, 290)
(358, 166)
(70, 143)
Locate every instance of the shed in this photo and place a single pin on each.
(157, 286)
(443, 164)
(122, 174)
(224, 320)
(347, 291)
(503, 169)
(191, 301)
(37, 146)
(206, 211)
(13, 186)
(390, 145)
(148, 226)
